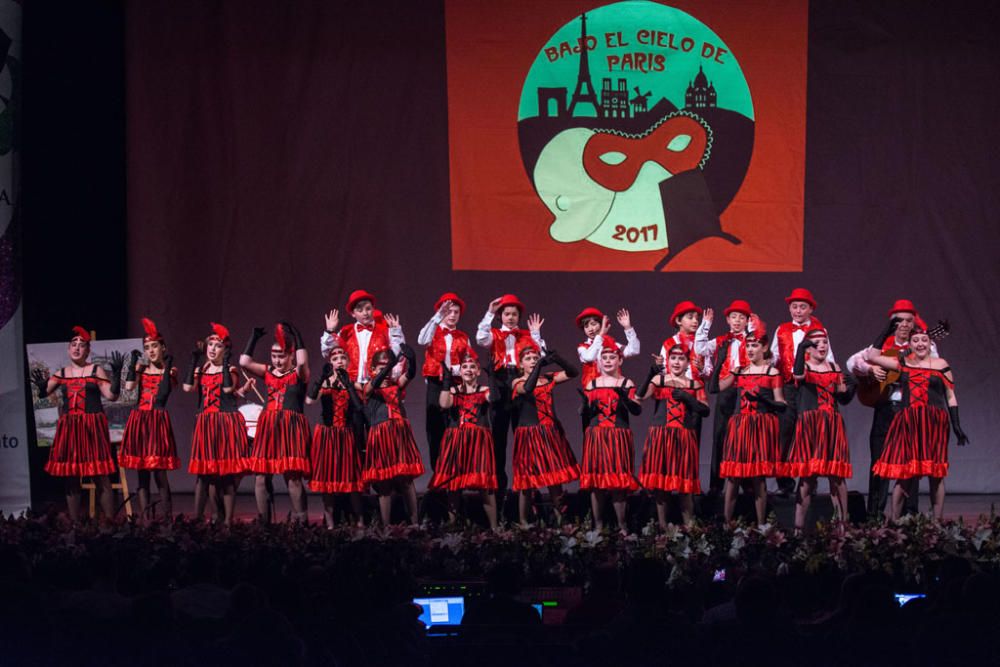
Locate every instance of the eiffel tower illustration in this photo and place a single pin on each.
(580, 95)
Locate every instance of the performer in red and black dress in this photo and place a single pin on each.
(751, 450)
(820, 446)
(446, 347)
(466, 460)
(392, 459)
(917, 443)
(219, 445)
(608, 447)
(82, 445)
(503, 343)
(542, 456)
(784, 346)
(670, 455)
(281, 445)
(148, 441)
(333, 454)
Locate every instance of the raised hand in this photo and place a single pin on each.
(495, 304)
(332, 320)
(392, 321)
(624, 319)
(134, 358)
(327, 371)
(605, 326)
(535, 322)
(445, 307)
(117, 361)
(40, 379)
(707, 315)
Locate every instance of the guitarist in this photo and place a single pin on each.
(894, 340)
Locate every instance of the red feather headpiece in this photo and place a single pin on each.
(151, 333)
(82, 333)
(280, 338)
(220, 331)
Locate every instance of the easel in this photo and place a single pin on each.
(121, 485)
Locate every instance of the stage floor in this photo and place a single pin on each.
(967, 507)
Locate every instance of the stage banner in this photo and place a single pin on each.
(14, 485)
(632, 136)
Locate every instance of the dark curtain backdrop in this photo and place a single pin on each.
(281, 154)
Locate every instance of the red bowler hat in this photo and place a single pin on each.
(450, 296)
(511, 300)
(738, 306)
(801, 294)
(683, 308)
(359, 295)
(903, 306)
(588, 312)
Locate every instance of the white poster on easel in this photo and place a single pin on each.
(15, 496)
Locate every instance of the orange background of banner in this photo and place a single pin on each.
(498, 223)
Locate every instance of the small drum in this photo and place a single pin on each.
(250, 412)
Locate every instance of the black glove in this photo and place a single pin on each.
(554, 357)
(634, 408)
(379, 378)
(772, 405)
(117, 362)
(692, 403)
(317, 384)
(850, 388)
(41, 382)
(407, 353)
(586, 411)
(491, 382)
(956, 427)
(195, 364)
(255, 335)
(800, 357)
(654, 370)
(447, 379)
(296, 336)
(532, 381)
(352, 392)
(133, 359)
(888, 330)
(227, 376)
(163, 389)
(720, 358)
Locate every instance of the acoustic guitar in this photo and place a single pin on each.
(871, 392)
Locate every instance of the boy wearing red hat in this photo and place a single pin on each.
(595, 326)
(686, 318)
(893, 339)
(738, 316)
(502, 342)
(446, 346)
(784, 347)
(362, 338)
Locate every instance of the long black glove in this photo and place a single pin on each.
(447, 379)
(41, 382)
(800, 357)
(772, 405)
(133, 359)
(956, 427)
(491, 382)
(352, 392)
(850, 388)
(317, 384)
(532, 381)
(255, 335)
(692, 403)
(634, 408)
(195, 364)
(586, 410)
(720, 357)
(379, 378)
(554, 357)
(407, 353)
(227, 376)
(654, 370)
(888, 330)
(296, 336)
(163, 389)
(117, 362)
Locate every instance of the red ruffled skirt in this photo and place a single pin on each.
(281, 444)
(148, 442)
(542, 457)
(335, 462)
(391, 452)
(219, 444)
(82, 447)
(820, 447)
(608, 459)
(670, 460)
(916, 445)
(466, 460)
(752, 447)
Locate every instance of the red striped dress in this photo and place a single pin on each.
(917, 442)
(148, 441)
(219, 445)
(542, 456)
(608, 445)
(391, 451)
(820, 444)
(467, 459)
(752, 447)
(82, 445)
(670, 456)
(333, 454)
(281, 444)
